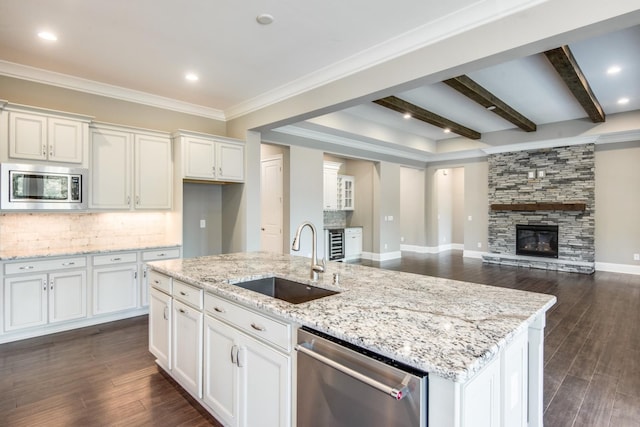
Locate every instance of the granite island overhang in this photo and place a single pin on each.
(448, 328)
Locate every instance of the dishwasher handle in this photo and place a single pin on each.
(398, 392)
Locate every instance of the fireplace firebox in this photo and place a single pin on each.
(537, 240)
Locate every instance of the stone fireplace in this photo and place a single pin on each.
(551, 191)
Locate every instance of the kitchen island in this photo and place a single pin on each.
(480, 345)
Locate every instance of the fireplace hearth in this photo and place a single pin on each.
(537, 240)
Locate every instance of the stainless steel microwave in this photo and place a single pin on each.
(39, 187)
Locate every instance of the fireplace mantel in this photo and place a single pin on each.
(539, 207)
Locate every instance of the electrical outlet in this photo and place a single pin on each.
(636, 257)
(203, 223)
(385, 246)
(401, 239)
(479, 244)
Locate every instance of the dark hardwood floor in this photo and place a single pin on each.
(104, 375)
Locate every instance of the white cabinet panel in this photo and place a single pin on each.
(187, 347)
(481, 398)
(220, 388)
(67, 296)
(230, 162)
(199, 158)
(39, 137)
(211, 158)
(25, 301)
(160, 312)
(352, 243)
(130, 170)
(115, 289)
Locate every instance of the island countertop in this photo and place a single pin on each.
(446, 327)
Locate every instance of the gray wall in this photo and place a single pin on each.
(363, 172)
(305, 189)
(457, 206)
(201, 202)
(386, 204)
(412, 199)
(618, 203)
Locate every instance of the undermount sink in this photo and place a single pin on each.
(286, 290)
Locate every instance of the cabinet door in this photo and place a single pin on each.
(160, 327)
(187, 347)
(115, 289)
(199, 158)
(347, 193)
(27, 136)
(353, 243)
(65, 140)
(110, 169)
(25, 301)
(67, 296)
(481, 398)
(153, 172)
(330, 188)
(220, 388)
(230, 160)
(265, 394)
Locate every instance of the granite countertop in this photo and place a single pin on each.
(441, 326)
(14, 255)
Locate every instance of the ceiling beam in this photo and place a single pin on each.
(565, 64)
(477, 93)
(419, 113)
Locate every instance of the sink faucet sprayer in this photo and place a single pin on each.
(315, 267)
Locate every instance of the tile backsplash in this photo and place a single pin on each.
(335, 218)
(50, 233)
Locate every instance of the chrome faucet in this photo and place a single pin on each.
(315, 267)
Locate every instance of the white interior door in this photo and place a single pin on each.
(271, 205)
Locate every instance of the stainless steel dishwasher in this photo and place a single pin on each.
(340, 384)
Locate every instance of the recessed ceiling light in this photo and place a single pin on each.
(46, 35)
(192, 77)
(264, 19)
(407, 115)
(614, 69)
(447, 130)
(623, 101)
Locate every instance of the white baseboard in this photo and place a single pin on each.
(385, 256)
(473, 254)
(618, 268)
(432, 249)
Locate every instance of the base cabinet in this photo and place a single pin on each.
(115, 289)
(246, 382)
(186, 347)
(160, 315)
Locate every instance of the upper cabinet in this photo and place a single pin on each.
(339, 190)
(130, 169)
(209, 158)
(44, 135)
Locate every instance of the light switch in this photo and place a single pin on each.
(469, 218)
(203, 223)
(390, 217)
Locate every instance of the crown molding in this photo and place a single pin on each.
(625, 136)
(539, 145)
(385, 149)
(479, 13)
(66, 81)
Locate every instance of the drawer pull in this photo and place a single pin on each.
(184, 294)
(161, 254)
(258, 327)
(67, 264)
(27, 267)
(183, 311)
(156, 281)
(218, 309)
(116, 259)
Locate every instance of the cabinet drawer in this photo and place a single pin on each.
(160, 281)
(353, 231)
(44, 265)
(187, 294)
(116, 258)
(161, 254)
(253, 323)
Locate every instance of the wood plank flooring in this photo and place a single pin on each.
(105, 376)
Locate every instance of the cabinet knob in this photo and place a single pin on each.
(218, 310)
(67, 264)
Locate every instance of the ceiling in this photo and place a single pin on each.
(141, 50)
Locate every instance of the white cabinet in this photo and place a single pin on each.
(247, 381)
(330, 186)
(56, 294)
(346, 191)
(35, 135)
(481, 398)
(352, 243)
(338, 190)
(154, 255)
(187, 347)
(115, 282)
(209, 158)
(129, 169)
(160, 314)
